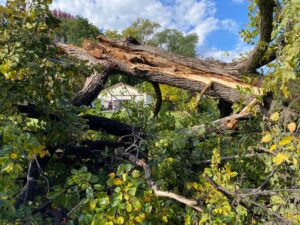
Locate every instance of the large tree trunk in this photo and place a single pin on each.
(159, 66)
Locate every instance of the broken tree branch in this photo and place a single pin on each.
(220, 124)
(232, 123)
(156, 65)
(142, 163)
(95, 123)
(158, 98)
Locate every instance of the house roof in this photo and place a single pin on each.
(122, 84)
(120, 90)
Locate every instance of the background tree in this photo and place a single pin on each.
(73, 30)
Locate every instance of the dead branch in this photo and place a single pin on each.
(142, 163)
(220, 124)
(156, 65)
(158, 98)
(232, 123)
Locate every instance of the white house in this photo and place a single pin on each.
(112, 97)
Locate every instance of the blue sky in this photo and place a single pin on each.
(217, 22)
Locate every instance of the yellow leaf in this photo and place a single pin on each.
(272, 148)
(275, 117)
(109, 223)
(292, 127)
(92, 204)
(136, 174)
(13, 155)
(295, 162)
(285, 141)
(140, 218)
(267, 138)
(118, 181)
(280, 158)
(120, 220)
(43, 153)
(112, 175)
(147, 199)
(164, 219)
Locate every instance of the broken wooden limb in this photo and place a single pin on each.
(199, 96)
(232, 123)
(142, 163)
(95, 123)
(220, 124)
(156, 65)
(158, 98)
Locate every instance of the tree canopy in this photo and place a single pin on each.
(234, 160)
(73, 30)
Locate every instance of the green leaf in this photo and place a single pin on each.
(136, 173)
(128, 207)
(111, 213)
(136, 204)
(128, 167)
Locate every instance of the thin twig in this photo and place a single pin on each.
(264, 184)
(82, 202)
(244, 202)
(227, 158)
(203, 91)
(267, 192)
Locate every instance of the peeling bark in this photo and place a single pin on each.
(159, 66)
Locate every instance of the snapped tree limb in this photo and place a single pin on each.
(159, 66)
(142, 163)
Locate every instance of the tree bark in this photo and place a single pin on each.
(93, 85)
(94, 122)
(256, 57)
(159, 66)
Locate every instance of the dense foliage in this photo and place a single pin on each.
(247, 176)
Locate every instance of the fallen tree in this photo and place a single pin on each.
(218, 79)
(172, 156)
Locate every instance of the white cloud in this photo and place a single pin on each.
(230, 25)
(2, 2)
(240, 48)
(188, 16)
(238, 1)
(185, 15)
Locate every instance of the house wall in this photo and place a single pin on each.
(111, 97)
(148, 99)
